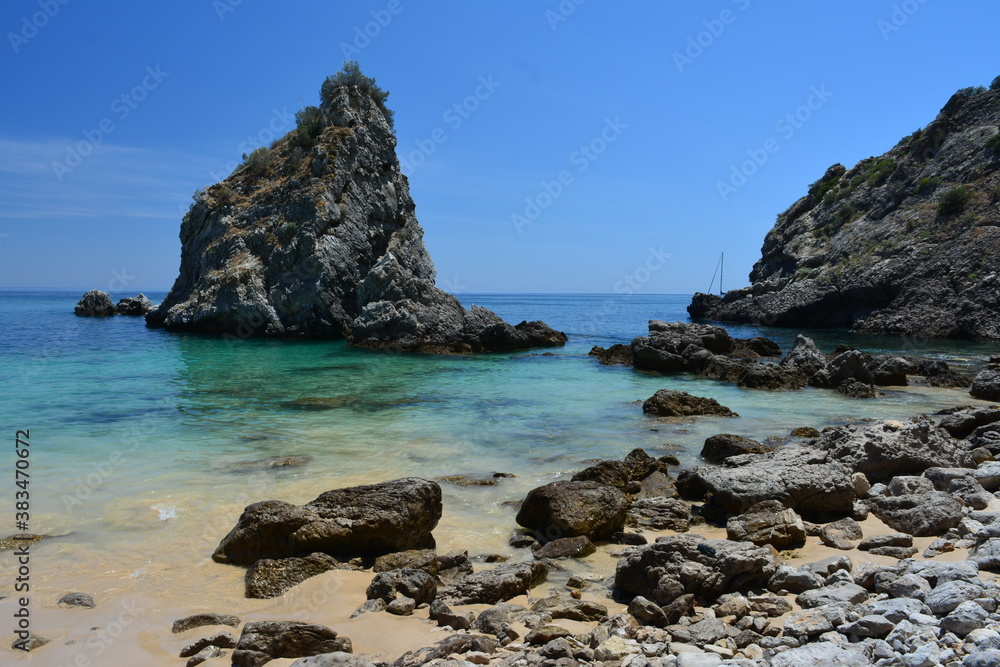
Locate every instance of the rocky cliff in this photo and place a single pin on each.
(317, 236)
(904, 243)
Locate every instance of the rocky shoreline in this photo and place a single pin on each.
(872, 543)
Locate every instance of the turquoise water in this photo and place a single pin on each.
(140, 438)
(138, 435)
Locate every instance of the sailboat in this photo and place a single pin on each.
(719, 270)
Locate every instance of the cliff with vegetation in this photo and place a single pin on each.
(906, 243)
(316, 235)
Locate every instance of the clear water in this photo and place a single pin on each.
(137, 434)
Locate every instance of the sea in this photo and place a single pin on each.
(146, 445)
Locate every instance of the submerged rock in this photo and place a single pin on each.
(268, 578)
(316, 236)
(372, 519)
(95, 303)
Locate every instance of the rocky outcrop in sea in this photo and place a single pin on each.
(904, 243)
(317, 236)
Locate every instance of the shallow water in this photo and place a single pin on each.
(139, 437)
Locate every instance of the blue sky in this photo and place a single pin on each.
(585, 153)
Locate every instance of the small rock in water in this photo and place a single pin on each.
(198, 620)
(77, 600)
(205, 654)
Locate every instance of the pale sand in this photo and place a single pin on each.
(131, 624)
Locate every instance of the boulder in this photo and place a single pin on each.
(796, 477)
(560, 606)
(986, 385)
(659, 514)
(263, 641)
(501, 583)
(567, 547)
(719, 447)
(268, 578)
(671, 403)
(570, 509)
(768, 522)
(851, 365)
(771, 377)
(962, 421)
(95, 303)
(134, 306)
(892, 372)
(690, 565)
(414, 584)
(617, 354)
(841, 534)
(919, 514)
(804, 356)
(362, 520)
(885, 449)
(637, 466)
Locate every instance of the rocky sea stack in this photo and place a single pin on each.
(316, 236)
(905, 243)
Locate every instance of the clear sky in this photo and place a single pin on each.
(585, 153)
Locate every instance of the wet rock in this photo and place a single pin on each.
(198, 620)
(335, 659)
(268, 578)
(95, 303)
(841, 534)
(617, 354)
(204, 655)
(688, 564)
(497, 585)
(32, 642)
(637, 466)
(770, 377)
(918, 514)
(490, 479)
(444, 616)
(805, 432)
(272, 463)
(263, 641)
(892, 372)
(855, 389)
(570, 509)
(373, 519)
(767, 522)
(83, 600)
(805, 356)
(409, 582)
(671, 403)
(719, 447)
(218, 640)
(567, 547)
(134, 306)
(986, 385)
(962, 421)
(658, 514)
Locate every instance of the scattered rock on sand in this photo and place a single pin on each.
(77, 600)
(569, 509)
(198, 620)
(263, 641)
(499, 584)
(372, 519)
